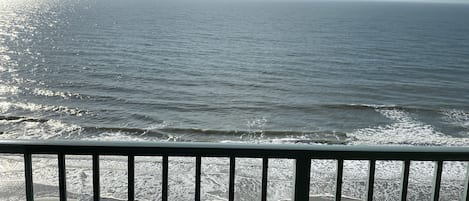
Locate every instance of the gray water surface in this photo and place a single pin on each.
(268, 72)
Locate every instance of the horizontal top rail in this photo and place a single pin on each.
(349, 152)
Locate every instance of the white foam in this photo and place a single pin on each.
(8, 89)
(376, 106)
(114, 136)
(51, 129)
(5, 106)
(257, 123)
(5, 58)
(405, 130)
(50, 93)
(457, 117)
(161, 125)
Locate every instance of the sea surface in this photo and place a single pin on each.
(241, 71)
(318, 72)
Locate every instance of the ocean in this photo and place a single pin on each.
(265, 72)
(309, 72)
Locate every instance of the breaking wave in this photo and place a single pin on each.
(7, 89)
(457, 117)
(50, 93)
(404, 130)
(37, 128)
(6, 106)
(376, 107)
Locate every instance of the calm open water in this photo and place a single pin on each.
(264, 72)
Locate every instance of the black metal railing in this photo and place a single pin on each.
(302, 154)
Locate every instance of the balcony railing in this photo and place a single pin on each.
(302, 154)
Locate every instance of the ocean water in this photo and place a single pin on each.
(314, 72)
(267, 72)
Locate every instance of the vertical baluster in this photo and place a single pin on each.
(465, 195)
(437, 180)
(232, 179)
(405, 180)
(164, 188)
(96, 187)
(62, 177)
(340, 170)
(265, 166)
(131, 177)
(198, 167)
(28, 173)
(302, 177)
(371, 179)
